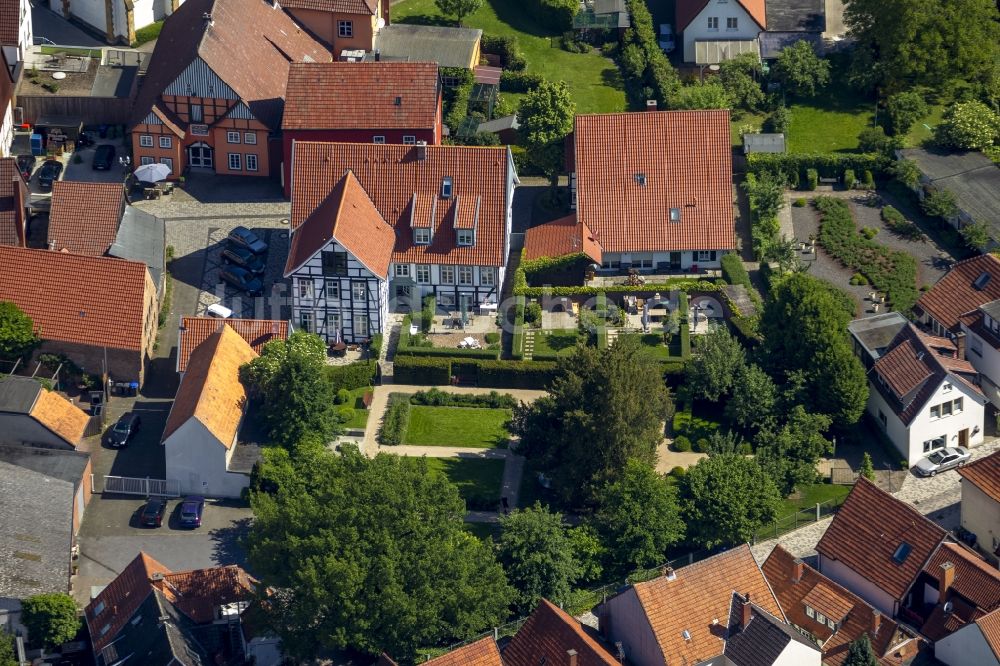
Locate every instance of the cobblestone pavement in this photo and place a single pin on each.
(939, 498)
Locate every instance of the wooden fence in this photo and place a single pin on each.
(90, 110)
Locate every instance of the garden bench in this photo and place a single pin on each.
(366, 399)
(828, 181)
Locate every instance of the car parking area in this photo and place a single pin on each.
(212, 289)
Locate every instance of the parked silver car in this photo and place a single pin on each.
(941, 460)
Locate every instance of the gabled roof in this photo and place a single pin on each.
(559, 238)
(349, 217)
(350, 95)
(246, 43)
(66, 296)
(142, 237)
(445, 45)
(984, 474)
(990, 626)
(633, 169)
(392, 174)
(13, 195)
(858, 617)
(700, 593)
(195, 330)
(546, 637)
(483, 652)
(974, 591)
(211, 390)
(60, 416)
(84, 217)
(763, 639)
(688, 10)
(367, 7)
(120, 599)
(956, 293)
(882, 539)
(197, 593)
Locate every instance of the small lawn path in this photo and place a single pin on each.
(593, 80)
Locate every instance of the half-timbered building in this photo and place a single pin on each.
(214, 94)
(392, 224)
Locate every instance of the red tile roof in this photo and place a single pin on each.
(84, 217)
(829, 601)
(483, 652)
(370, 95)
(10, 23)
(248, 44)
(633, 168)
(546, 637)
(368, 7)
(197, 593)
(975, 582)
(688, 10)
(857, 619)
(955, 295)
(60, 416)
(66, 295)
(195, 330)
(984, 474)
(868, 531)
(211, 390)
(12, 188)
(700, 593)
(349, 217)
(121, 599)
(559, 238)
(392, 174)
(990, 626)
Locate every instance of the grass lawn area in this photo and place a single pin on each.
(830, 123)
(478, 479)
(458, 426)
(812, 495)
(736, 127)
(593, 80)
(923, 129)
(652, 344)
(693, 426)
(360, 418)
(558, 342)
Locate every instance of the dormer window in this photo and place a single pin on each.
(640, 178)
(675, 215)
(422, 236)
(466, 237)
(446, 189)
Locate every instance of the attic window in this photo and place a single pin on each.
(981, 281)
(640, 178)
(902, 553)
(446, 187)
(99, 608)
(399, 101)
(105, 629)
(675, 215)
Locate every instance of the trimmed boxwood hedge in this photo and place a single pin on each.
(351, 376)
(486, 373)
(734, 272)
(827, 165)
(396, 420)
(422, 371)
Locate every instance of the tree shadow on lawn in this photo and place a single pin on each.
(426, 19)
(612, 77)
(512, 12)
(559, 340)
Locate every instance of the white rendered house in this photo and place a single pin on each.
(117, 20)
(720, 21)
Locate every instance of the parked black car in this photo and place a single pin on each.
(26, 164)
(104, 157)
(153, 512)
(49, 173)
(243, 280)
(124, 429)
(243, 237)
(191, 511)
(240, 256)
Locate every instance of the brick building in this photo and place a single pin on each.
(342, 25)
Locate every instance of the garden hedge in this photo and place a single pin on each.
(556, 15)
(827, 165)
(682, 305)
(506, 47)
(351, 376)
(396, 420)
(515, 374)
(517, 343)
(519, 82)
(492, 400)
(422, 371)
(734, 272)
(890, 271)
(486, 373)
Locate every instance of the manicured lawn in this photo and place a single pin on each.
(458, 426)
(830, 123)
(478, 479)
(594, 80)
(652, 344)
(812, 495)
(923, 129)
(556, 342)
(360, 418)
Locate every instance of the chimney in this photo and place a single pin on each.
(651, 105)
(960, 344)
(421, 150)
(52, 244)
(571, 657)
(876, 621)
(946, 579)
(378, 55)
(668, 573)
(797, 569)
(747, 613)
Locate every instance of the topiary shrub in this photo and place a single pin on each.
(800, 202)
(678, 472)
(702, 445)
(533, 312)
(858, 279)
(849, 180)
(812, 179)
(682, 444)
(869, 180)
(869, 232)
(343, 396)
(492, 338)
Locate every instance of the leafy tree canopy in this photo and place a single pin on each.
(537, 553)
(7, 649)
(458, 8)
(753, 400)
(17, 332)
(968, 125)
(604, 408)
(546, 117)
(711, 373)
(710, 95)
(368, 553)
(906, 171)
(50, 618)
(905, 109)
(800, 70)
(940, 203)
(860, 653)
(790, 455)
(639, 518)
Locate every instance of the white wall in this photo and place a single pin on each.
(965, 647)
(688, 258)
(894, 428)
(7, 130)
(26, 33)
(799, 654)
(987, 362)
(698, 30)
(22, 429)
(197, 460)
(90, 12)
(864, 588)
(981, 516)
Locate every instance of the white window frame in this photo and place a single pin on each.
(165, 142)
(409, 140)
(958, 406)
(331, 289)
(402, 270)
(946, 388)
(169, 162)
(447, 300)
(333, 322)
(935, 412)
(250, 138)
(447, 274)
(713, 23)
(946, 409)
(422, 236)
(810, 613)
(307, 321)
(465, 276)
(234, 158)
(929, 446)
(145, 140)
(379, 139)
(146, 159)
(306, 290)
(423, 274)
(251, 161)
(232, 136)
(704, 255)
(345, 29)
(465, 237)
(364, 329)
(488, 276)
(359, 291)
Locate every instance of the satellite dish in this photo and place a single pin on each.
(58, 76)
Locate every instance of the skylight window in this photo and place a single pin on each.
(981, 281)
(675, 214)
(902, 553)
(446, 187)
(640, 178)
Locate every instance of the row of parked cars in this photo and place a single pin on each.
(245, 259)
(189, 512)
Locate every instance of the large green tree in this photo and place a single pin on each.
(536, 551)
(711, 95)
(753, 400)
(368, 553)
(902, 43)
(904, 109)
(800, 70)
(51, 619)
(740, 76)
(968, 126)
(860, 653)
(546, 117)
(604, 408)
(790, 455)
(297, 397)
(458, 8)
(17, 332)
(711, 373)
(638, 519)
(726, 499)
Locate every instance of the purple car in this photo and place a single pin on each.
(191, 510)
